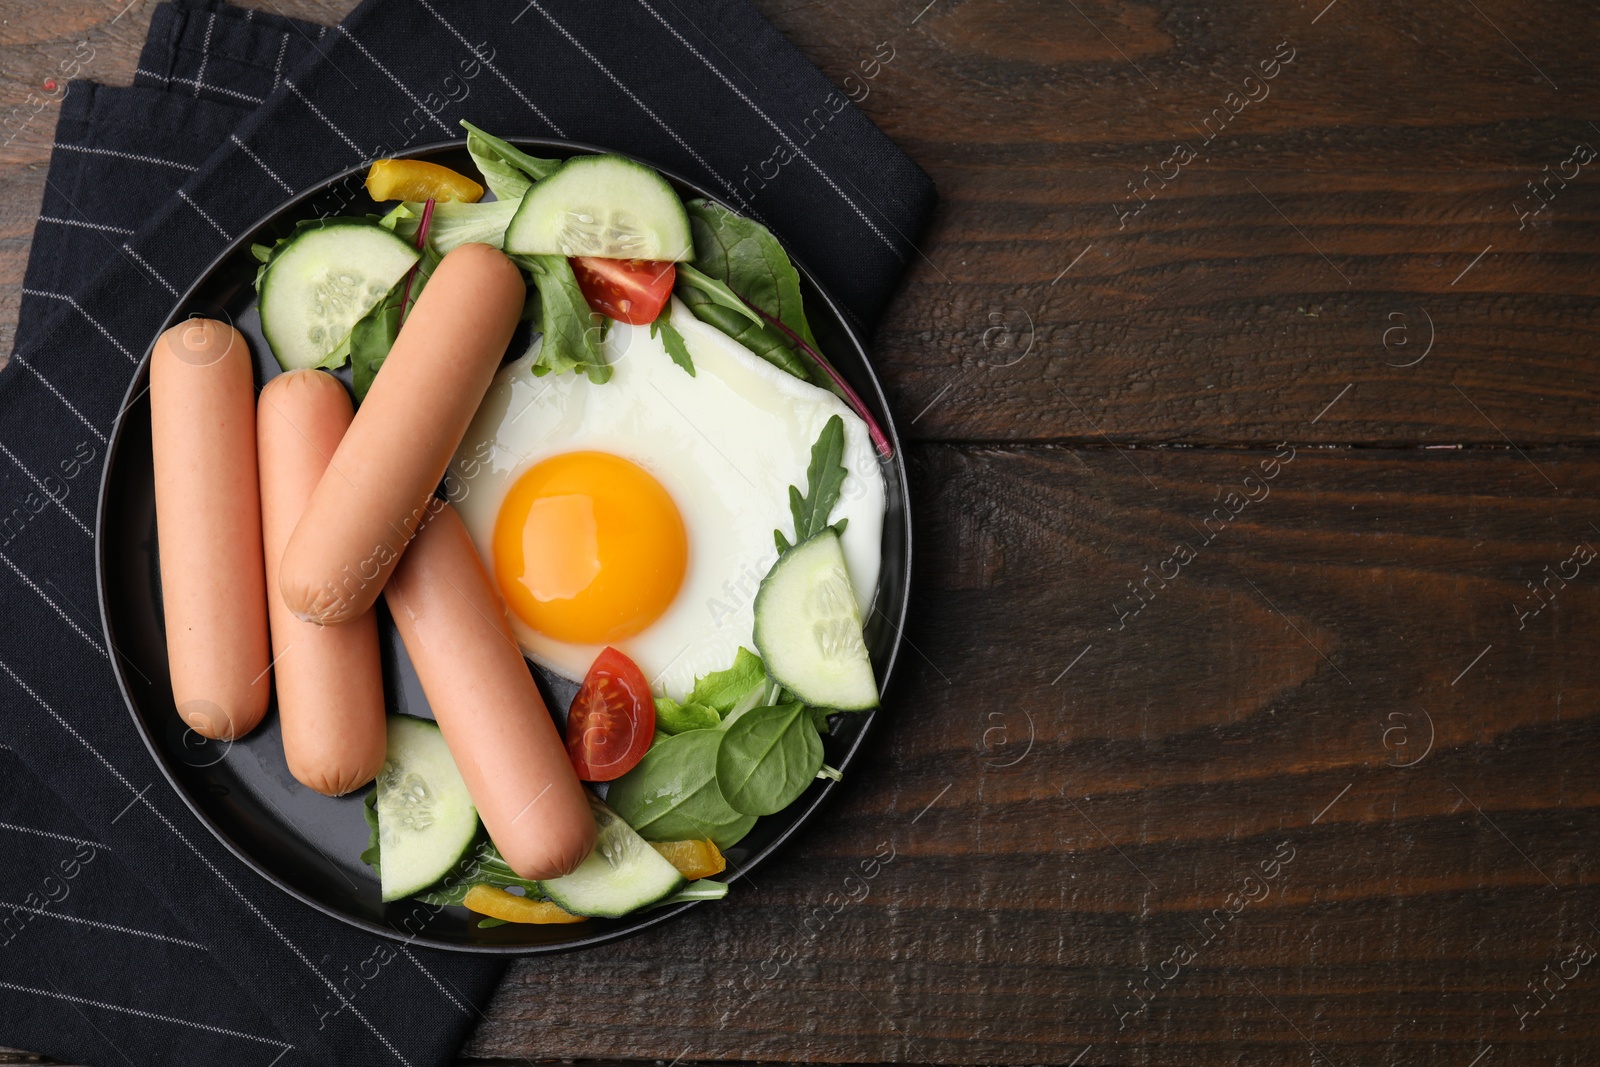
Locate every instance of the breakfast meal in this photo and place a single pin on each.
(592, 428)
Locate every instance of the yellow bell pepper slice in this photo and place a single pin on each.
(498, 904)
(414, 179)
(694, 859)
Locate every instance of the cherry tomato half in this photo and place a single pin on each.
(628, 290)
(612, 719)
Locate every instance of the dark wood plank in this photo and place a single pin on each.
(1395, 145)
(1256, 710)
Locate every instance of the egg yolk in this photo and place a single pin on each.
(588, 548)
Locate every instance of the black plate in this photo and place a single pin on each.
(308, 844)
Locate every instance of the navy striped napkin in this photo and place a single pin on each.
(128, 935)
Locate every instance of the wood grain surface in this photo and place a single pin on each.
(1250, 713)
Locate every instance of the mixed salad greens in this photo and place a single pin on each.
(741, 280)
(746, 741)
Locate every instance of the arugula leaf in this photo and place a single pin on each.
(717, 291)
(824, 482)
(507, 170)
(673, 340)
(768, 758)
(699, 889)
(743, 683)
(764, 340)
(744, 254)
(675, 718)
(571, 333)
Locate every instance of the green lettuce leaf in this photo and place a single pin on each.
(507, 170)
(571, 333)
(455, 224)
(675, 718)
(741, 685)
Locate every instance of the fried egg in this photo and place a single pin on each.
(639, 513)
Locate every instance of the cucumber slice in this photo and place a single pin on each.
(621, 875)
(808, 628)
(426, 819)
(323, 281)
(603, 206)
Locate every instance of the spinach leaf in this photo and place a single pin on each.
(373, 336)
(371, 341)
(673, 340)
(675, 718)
(571, 332)
(767, 758)
(482, 865)
(672, 794)
(744, 254)
(765, 341)
(507, 170)
(743, 683)
(824, 482)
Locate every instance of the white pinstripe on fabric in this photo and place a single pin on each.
(261, 163)
(198, 85)
(141, 1013)
(140, 796)
(404, 88)
(58, 394)
(58, 837)
(168, 286)
(91, 319)
(81, 224)
(406, 952)
(97, 924)
(326, 121)
(12, 456)
(205, 55)
(68, 619)
(133, 156)
(781, 132)
(493, 69)
(277, 67)
(642, 106)
(187, 199)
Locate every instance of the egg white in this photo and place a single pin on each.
(726, 444)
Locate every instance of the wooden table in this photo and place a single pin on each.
(1251, 712)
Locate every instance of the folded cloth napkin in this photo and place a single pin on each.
(128, 934)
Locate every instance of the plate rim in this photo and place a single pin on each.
(139, 383)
